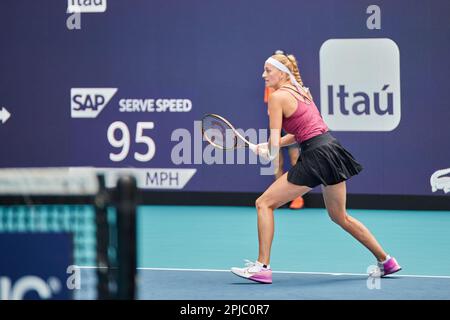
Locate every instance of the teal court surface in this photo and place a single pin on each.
(185, 253)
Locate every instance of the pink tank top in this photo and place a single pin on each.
(306, 122)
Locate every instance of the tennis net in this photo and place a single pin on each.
(63, 235)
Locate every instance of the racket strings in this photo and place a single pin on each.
(219, 133)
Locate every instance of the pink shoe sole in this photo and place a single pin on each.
(264, 280)
(391, 272)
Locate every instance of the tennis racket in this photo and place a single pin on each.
(220, 133)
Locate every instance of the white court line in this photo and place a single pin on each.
(285, 272)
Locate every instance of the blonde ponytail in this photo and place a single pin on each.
(291, 63)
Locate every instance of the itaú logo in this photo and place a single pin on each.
(18, 290)
(360, 84)
(86, 6)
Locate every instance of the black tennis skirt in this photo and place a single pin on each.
(323, 160)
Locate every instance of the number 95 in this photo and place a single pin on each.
(124, 141)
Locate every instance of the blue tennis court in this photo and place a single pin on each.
(185, 253)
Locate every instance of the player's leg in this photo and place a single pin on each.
(279, 193)
(335, 202)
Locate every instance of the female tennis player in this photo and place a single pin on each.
(322, 161)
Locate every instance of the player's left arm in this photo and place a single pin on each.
(287, 140)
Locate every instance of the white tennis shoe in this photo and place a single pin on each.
(254, 271)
